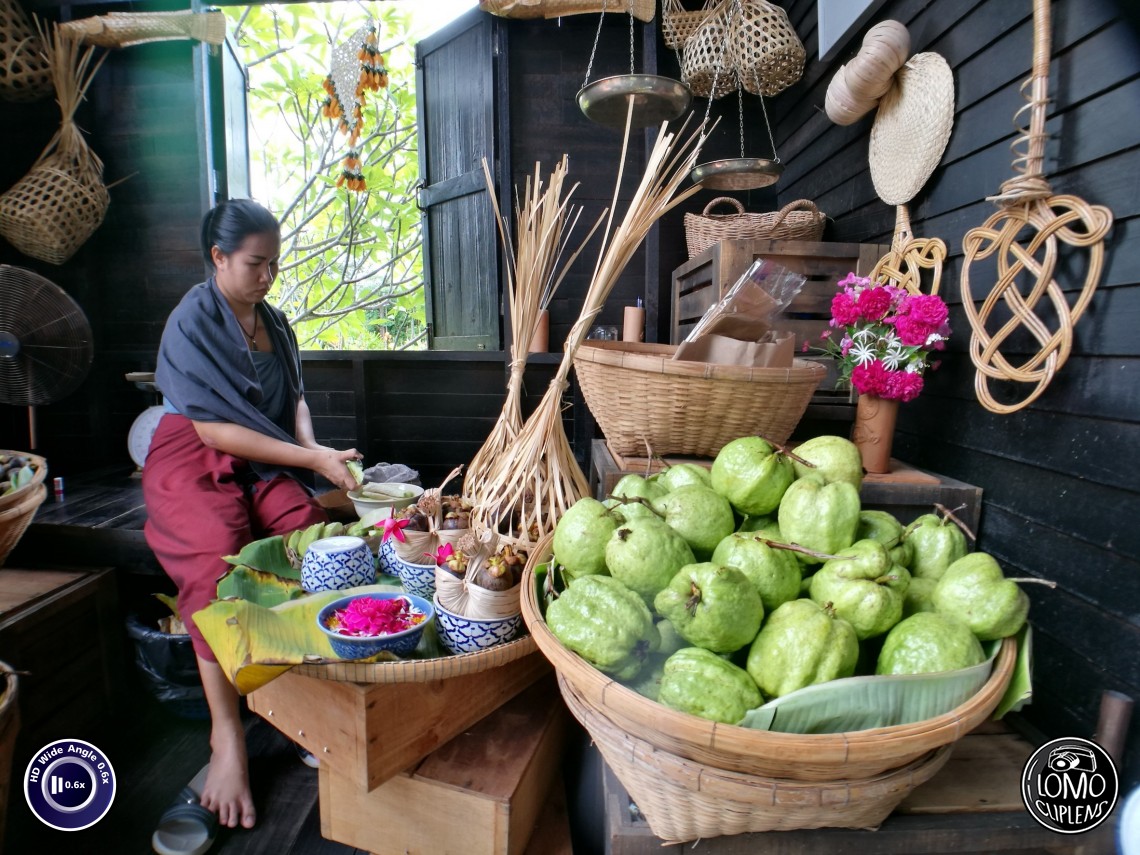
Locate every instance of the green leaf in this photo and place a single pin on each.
(861, 703)
(265, 589)
(1020, 689)
(268, 555)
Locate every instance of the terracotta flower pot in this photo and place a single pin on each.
(874, 431)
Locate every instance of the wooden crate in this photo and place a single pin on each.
(479, 794)
(905, 491)
(61, 627)
(703, 280)
(369, 732)
(972, 805)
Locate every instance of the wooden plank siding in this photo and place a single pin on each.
(1060, 476)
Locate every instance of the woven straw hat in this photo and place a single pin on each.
(912, 128)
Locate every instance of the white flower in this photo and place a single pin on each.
(862, 352)
(933, 339)
(894, 355)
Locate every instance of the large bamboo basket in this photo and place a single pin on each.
(21, 496)
(18, 509)
(828, 757)
(639, 395)
(684, 800)
(9, 727)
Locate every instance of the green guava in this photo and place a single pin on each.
(928, 642)
(775, 572)
(836, 458)
(700, 515)
(752, 475)
(711, 606)
(644, 553)
(865, 589)
(800, 644)
(681, 474)
(581, 535)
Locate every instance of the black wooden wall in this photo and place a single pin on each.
(1060, 477)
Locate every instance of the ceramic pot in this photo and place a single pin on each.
(874, 431)
(336, 563)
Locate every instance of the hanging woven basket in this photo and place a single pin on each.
(706, 64)
(678, 23)
(24, 73)
(52, 211)
(764, 49)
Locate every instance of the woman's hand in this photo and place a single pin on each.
(330, 463)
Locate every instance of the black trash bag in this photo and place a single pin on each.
(170, 668)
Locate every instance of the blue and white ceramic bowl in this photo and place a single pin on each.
(418, 579)
(361, 647)
(336, 563)
(388, 561)
(461, 634)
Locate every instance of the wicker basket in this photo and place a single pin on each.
(798, 220)
(685, 800)
(678, 23)
(639, 395)
(9, 727)
(15, 520)
(764, 49)
(24, 73)
(18, 497)
(822, 757)
(706, 67)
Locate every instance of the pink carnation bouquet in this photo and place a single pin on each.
(887, 336)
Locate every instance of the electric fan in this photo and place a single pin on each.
(45, 342)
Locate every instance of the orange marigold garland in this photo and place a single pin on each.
(357, 67)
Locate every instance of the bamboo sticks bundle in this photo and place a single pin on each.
(545, 219)
(538, 478)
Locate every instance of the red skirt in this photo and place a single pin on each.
(201, 504)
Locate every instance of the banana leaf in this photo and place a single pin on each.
(267, 555)
(1020, 689)
(861, 703)
(255, 644)
(265, 589)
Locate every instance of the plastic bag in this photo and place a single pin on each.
(392, 473)
(170, 669)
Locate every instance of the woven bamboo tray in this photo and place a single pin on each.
(685, 800)
(856, 755)
(639, 395)
(14, 521)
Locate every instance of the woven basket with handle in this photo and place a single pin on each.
(639, 395)
(798, 220)
(819, 757)
(706, 67)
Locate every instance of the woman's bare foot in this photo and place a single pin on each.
(226, 791)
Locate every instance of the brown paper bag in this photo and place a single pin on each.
(774, 350)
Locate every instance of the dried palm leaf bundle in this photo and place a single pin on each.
(538, 479)
(544, 220)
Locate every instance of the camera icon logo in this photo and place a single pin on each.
(1072, 758)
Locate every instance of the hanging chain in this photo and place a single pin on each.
(771, 139)
(740, 113)
(594, 51)
(631, 37)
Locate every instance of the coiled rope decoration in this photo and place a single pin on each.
(1028, 201)
(909, 256)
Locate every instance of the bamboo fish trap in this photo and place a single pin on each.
(538, 478)
(52, 211)
(1028, 203)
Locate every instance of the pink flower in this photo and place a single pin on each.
(871, 378)
(394, 528)
(853, 282)
(370, 616)
(874, 303)
(442, 554)
(903, 385)
(912, 333)
(844, 311)
(926, 309)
